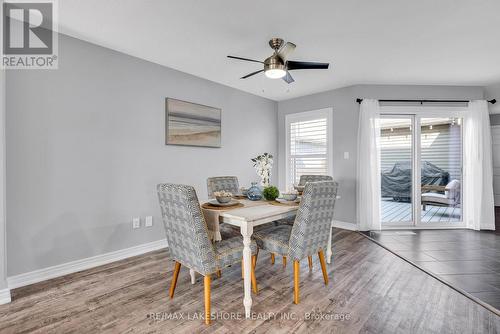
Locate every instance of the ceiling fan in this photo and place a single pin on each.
(278, 66)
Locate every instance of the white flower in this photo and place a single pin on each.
(263, 166)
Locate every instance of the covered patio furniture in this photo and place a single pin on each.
(396, 182)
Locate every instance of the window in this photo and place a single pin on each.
(308, 145)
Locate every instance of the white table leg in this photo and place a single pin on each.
(193, 277)
(246, 232)
(329, 247)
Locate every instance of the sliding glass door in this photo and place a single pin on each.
(396, 164)
(441, 170)
(421, 170)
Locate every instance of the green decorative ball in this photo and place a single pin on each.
(271, 193)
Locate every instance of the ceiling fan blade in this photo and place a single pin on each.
(253, 73)
(288, 78)
(305, 65)
(246, 59)
(286, 50)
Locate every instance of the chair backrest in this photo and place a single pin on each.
(218, 183)
(452, 190)
(314, 218)
(185, 227)
(313, 178)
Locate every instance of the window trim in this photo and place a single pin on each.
(309, 116)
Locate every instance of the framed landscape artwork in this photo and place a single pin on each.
(192, 124)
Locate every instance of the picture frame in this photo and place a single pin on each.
(192, 124)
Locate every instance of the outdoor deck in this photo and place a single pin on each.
(394, 213)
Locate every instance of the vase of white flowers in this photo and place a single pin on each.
(263, 165)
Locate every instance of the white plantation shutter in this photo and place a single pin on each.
(307, 145)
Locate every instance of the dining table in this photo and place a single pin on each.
(246, 215)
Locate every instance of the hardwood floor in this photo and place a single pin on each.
(468, 260)
(370, 290)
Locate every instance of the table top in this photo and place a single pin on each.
(256, 212)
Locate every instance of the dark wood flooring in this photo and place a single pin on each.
(497, 218)
(371, 290)
(468, 260)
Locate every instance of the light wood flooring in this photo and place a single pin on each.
(370, 288)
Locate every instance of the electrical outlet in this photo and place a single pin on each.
(149, 221)
(339, 197)
(346, 155)
(136, 222)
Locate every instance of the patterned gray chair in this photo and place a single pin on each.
(218, 183)
(308, 235)
(313, 178)
(302, 182)
(188, 241)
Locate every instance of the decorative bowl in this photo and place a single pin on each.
(299, 188)
(223, 199)
(289, 196)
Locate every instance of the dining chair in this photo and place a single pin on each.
(218, 183)
(308, 235)
(302, 182)
(188, 241)
(313, 178)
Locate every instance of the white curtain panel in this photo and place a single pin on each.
(368, 170)
(478, 200)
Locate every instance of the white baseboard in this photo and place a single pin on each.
(4, 296)
(345, 225)
(78, 265)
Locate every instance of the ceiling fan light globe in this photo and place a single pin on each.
(275, 73)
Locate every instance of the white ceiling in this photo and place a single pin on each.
(452, 42)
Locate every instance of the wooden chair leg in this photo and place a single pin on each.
(177, 268)
(296, 269)
(323, 266)
(284, 261)
(254, 280)
(219, 274)
(272, 258)
(310, 260)
(207, 299)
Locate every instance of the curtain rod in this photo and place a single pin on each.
(493, 101)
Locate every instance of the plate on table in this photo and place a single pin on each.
(214, 202)
(284, 201)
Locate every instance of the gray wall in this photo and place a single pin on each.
(3, 246)
(85, 150)
(493, 92)
(345, 127)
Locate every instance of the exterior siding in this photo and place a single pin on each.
(441, 146)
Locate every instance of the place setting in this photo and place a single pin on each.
(222, 201)
(225, 200)
(288, 198)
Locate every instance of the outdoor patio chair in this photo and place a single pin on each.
(448, 195)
